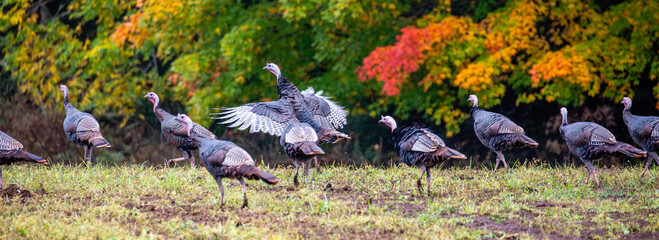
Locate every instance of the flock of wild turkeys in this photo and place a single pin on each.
(306, 119)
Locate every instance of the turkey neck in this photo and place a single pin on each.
(160, 113)
(67, 104)
(286, 89)
(626, 115)
(474, 110)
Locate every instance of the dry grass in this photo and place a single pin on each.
(343, 202)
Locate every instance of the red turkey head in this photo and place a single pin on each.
(474, 100)
(273, 68)
(153, 97)
(627, 102)
(63, 88)
(389, 121)
(186, 121)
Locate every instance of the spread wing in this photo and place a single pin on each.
(422, 141)
(269, 117)
(9, 143)
(326, 113)
(299, 132)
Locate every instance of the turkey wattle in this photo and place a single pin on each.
(497, 132)
(418, 146)
(644, 130)
(590, 141)
(82, 128)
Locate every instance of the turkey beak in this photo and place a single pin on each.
(146, 95)
(381, 119)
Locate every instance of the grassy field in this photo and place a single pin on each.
(342, 202)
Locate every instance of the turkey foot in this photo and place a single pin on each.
(170, 161)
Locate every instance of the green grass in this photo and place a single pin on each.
(180, 202)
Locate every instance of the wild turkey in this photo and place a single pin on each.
(418, 146)
(590, 141)
(497, 132)
(82, 128)
(293, 106)
(299, 141)
(644, 130)
(224, 159)
(169, 124)
(12, 151)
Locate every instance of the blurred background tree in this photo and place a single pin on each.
(415, 59)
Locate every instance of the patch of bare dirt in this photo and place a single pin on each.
(511, 226)
(165, 208)
(643, 235)
(545, 204)
(11, 191)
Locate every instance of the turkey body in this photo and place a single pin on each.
(12, 151)
(590, 141)
(224, 159)
(299, 142)
(645, 132)
(418, 146)
(82, 129)
(497, 132)
(169, 126)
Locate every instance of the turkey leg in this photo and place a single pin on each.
(90, 155)
(0, 178)
(218, 180)
(186, 155)
(418, 181)
(242, 182)
(315, 159)
(297, 167)
(84, 157)
(651, 156)
(428, 179)
(500, 158)
(305, 167)
(591, 169)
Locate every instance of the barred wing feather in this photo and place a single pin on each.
(9, 143)
(269, 117)
(326, 112)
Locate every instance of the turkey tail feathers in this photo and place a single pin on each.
(331, 136)
(21, 154)
(100, 142)
(511, 140)
(525, 141)
(624, 149)
(34, 158)
(268, 178)
(311, 149)
(253, 173)
(452, 154)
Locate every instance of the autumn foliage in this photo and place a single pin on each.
(399, 57)
(560, 51)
